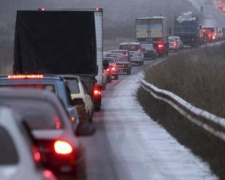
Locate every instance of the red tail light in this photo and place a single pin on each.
(114, 68)
(36, 154)
(62, 147)
(48, 174)
(57, 122)
(23, 76)
(97, 92)
(160, 46)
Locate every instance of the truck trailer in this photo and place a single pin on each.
(153, 30)
(188, 28)
(65, 41)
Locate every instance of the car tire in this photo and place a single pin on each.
(116, 77)
(129, 71)
(98, 108)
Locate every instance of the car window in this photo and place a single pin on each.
(8, 152)
(111, 60)
(73, 85)
(129, 47)
(48, 87)
(84, 87)
(147, 46)
(35, 114)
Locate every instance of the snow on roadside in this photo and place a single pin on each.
(162, 156)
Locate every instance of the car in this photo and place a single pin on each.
(20, 157)
(108, 72)
(123, 62)
(136, 53)
(112, 66)
(213, 30)
(179, 42)
(173, 45)
(149, 51)
(44, 113)
(52, 83)
(79, 92)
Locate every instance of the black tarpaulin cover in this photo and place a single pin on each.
(55, 42)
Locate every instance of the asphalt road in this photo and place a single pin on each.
(128, 145)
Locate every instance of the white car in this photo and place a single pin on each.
(135, 50)
(179, 41)
(19, 157)
(79, 92)
(173, 45)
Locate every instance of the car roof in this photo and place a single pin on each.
(133, 43)
(45, 76)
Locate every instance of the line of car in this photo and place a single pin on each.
(45, 106)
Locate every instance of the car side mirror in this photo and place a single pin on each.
(105, 64)
(84, 129)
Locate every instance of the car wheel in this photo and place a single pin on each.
(98, 108)
(129, 71)
(116, 76)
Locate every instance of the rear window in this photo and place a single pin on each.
(129, 47)
(209, 29)
(109, 59)
(38, 115)
(8, 152)
(147, 47)
(120, 58)
(73, 85)
(48, 87)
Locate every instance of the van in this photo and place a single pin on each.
(135, 50)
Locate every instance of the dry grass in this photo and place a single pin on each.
(197, 76)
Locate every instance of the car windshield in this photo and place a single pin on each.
(35, 114)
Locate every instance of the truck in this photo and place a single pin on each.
(61, 41)
(153, 30)
(188, 28)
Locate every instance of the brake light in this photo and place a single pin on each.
(23, 76)
(57, 122)
(97, 92)
(48, 174)
(36, 154)
(42, 9)
(113, 68)
(160, 46)
(62, 147)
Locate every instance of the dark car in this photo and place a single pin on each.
(113, 69)
(123, 62)
(149, 51)
(45, 115)
(52, 83)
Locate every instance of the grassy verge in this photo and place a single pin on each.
(197, 77)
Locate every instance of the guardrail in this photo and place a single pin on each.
(210, 122)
